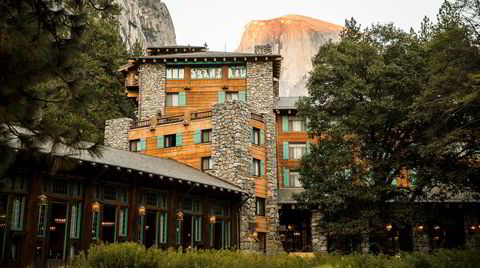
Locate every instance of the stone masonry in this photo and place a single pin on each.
(231, 137)
(151, 90)
(319, 241)
(261, 97)
(116, 133)
(263, 49)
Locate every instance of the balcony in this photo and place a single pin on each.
(183, 118)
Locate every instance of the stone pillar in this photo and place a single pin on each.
(261, 97)
(232, 161)
(319, 241)
(472, 237)
(151, 84)
(116, 133)
(263, 49)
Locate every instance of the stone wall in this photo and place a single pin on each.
(319, 241)
(151, 90)
(263, 49)
(232, 161)
(261, 97)
(116, 133)
(421, 240)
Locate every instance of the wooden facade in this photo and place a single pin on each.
(45, 231)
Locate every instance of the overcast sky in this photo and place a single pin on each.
(221, 22)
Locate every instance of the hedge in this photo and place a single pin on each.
(131, 254)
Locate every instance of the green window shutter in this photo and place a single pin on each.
(285, 150)
(221, 97)
(179, 139)
(262, 137)
(262, 168)
(285, 123)
(182, 99)
(286, 180)
(143, 144)
(198, 137)
(253, 167)
(242, 96)
(253, 136)
(160, 142)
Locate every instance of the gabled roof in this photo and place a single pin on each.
(286, 103)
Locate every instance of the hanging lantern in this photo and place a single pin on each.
(436, 227)
(42, 200)
(473, 228)
(388, 227)
(96, 207)
(213, 219)
(142, 211)
(179, 216)
(420, 228)
(290, 227)
(255, 234)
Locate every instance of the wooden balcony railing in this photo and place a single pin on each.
(200, 115)
(257, 117)
(140, 124)
(170, 119)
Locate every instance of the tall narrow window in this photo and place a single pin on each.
(75, 221)
(207, 163)
(96, 225)
(227, 230)
(206, 135)
(18, 213)
(162, 227)
(178, 233)
(256, 167)
(256, 136)
(197, 228)
(260, 206)
(172, 100)
(123, 222)
(42, 219)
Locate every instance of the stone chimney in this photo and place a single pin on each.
(116, 133)
(263, 49)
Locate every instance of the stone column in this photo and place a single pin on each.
(116, 133)
(232, 161)
(472, 237)
(319, 241)
(151, 84)
(421, 240)
(261, 97)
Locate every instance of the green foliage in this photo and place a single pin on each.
(135, 255)
(58, 73)
(382, 99)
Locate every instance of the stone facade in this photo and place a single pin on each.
(319, 241)
(116, 133)
(260, 95)
(263, 49)
(421, 240)
(232, 161)
(151, 90)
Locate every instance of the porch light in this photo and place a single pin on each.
(179, 216)
(420, 228)
(473, 228)
(436, 238)
(42, 200)
(213, 219)
(388, 227)
(255, 234)
(142, 211)
(290, 227)
(96, 207)
(436, 227)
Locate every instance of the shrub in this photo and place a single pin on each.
(131, 254)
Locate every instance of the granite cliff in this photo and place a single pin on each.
(146, 21)
(297, 38)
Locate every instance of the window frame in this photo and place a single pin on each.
(229, 95)
(172, 138)
(256, 167)
(242, 70)
(294, 176)
(209, 133)
(134, 144)
(210, 163)
(256, 136)
(171, 103)
(295, 145)
(259, 206)
(177, 70)
(193, 74)
(303, 123)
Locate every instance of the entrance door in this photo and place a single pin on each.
(57, 231)
(108, 223)
(187, 231)
(218, 235)
(150, 229)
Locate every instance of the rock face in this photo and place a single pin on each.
(146, 21)
(297, 39)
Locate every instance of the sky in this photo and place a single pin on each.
(220, 23)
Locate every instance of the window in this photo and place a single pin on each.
(206, 72)
(75, 221)
(169, 140)
(109, 193)
(153, 199)
(163, 227)
(59, 187)
(138, 145)
(296, 123)
(217, 208)
(231, 96)
(256, 136)
(192, 205)
(260, 207)
(172, 99)
(297, 150)
(235, 72)
(175, 73)
(295, 180)
(256, 167)
(207, 163)
(42, 219)
(206, 135)
(123, 222)
(197, 226)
